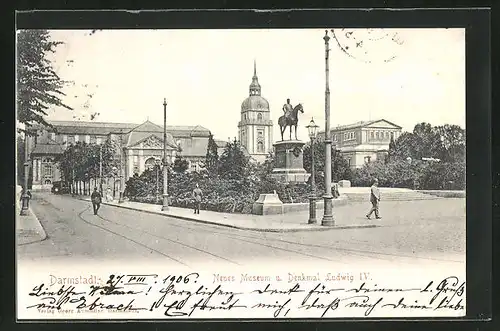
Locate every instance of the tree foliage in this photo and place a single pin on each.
(233, 163)
(38, 85)
(340, 166)
(212, 157)
(82, 161)
(180, 165)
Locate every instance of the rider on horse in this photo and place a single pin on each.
(287, 108)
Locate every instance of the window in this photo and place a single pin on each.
(98, 140)
(71, 139)
(52, 136)
(47, 170)
(372, 135)
(65, 139)
(259, 116)
(368, 159)
(77, 138)
(87, 139)
(260, 147)
(345, 136)
(150, 163)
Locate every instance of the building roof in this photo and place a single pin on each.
(255, 102)
(220, 143)
(146, 130)
(105, 128)
(362, 124)
(47, 149)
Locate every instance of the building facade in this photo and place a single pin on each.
(365, 141)
(255, 129)
(139, 146)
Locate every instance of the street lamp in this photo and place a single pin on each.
(312, 128)
(157, 167)
(328, 204)
(115, 169)
(165, 166)
(25, 197)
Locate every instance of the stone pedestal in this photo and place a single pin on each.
(267, 204)
(344, 183)
(289, 167)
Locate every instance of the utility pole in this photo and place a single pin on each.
(100, 168)
(165, 167)
(328, 203)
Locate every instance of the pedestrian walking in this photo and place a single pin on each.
(197, 195)
(96, 198)
(374, 199)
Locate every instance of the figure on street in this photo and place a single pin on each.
(374, 199)
(96, 198)
(197, 195)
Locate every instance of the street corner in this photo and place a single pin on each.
(29, 230)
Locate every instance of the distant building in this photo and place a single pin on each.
(139, 146)
(365, 141)
(255, 129)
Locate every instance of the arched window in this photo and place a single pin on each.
(150, 163)
(259, 116)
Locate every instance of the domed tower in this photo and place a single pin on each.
(255, 129)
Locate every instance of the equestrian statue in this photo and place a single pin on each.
(290, 118)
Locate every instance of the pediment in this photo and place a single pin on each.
(150, 142)
(383, 124)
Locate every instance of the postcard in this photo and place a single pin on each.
(240, 174)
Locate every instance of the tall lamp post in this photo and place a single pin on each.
(312, 128)
(328, 204)
(165, 166)
(157, 167)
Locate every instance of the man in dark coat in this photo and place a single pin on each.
(197, 195)
(374, 199)
(96, 198)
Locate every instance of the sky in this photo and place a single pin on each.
(205, 76)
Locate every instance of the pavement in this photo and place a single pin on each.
(427, 231)
(289, 222)
(28, 228)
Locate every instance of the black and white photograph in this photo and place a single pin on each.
(240, 173)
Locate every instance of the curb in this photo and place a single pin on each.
(38, 228)
(318, 228)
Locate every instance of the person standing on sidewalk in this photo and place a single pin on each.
(197, 195)
(96, 200)
(374, 199)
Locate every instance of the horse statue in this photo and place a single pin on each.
(290, 121)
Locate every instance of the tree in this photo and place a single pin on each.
(423, 142)
(233, 162)
(340, 167)
(180, 165)
(212, 157)
(38, 85)
(453, 142)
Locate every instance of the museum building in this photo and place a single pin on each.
(139, 146)
(365, 141)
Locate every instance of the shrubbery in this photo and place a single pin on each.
(415, 175)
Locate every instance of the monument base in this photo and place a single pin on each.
(289, 166)
(290, 175)
(267, 204)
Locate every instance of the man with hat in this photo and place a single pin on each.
(374, 199)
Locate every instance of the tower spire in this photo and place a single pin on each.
(255, 86)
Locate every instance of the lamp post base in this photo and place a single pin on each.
(164, 207)
(312, 210)
(120, 198)
(328, 219)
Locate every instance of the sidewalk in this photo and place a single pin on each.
(28, 228)
(289, 222)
